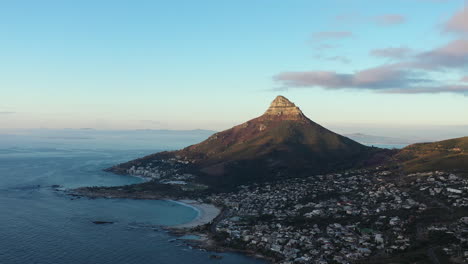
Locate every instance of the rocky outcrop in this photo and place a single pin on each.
(282, 108)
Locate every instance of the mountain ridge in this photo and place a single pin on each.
(447, 155)
(281, 142)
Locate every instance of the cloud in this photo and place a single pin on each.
(341, 59)
(390, 19)
(332, 35)
(382, 20)
(6, 113)
(407, 76)
(463, 89)
(394, 53)
(458, 23)
(383, 77)
(452, 55)
(326, 79)
(410, 75)
(379, 79)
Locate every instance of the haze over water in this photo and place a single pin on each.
(41, 225)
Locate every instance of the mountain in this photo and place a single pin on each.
(282, 142)
(446, 155)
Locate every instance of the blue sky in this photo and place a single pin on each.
(212, 64)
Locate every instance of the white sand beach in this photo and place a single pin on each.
(206, 213)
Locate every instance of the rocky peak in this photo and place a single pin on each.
(282, 108)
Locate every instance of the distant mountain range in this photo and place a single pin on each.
(380, 140)
(143, 139)
(90, 133)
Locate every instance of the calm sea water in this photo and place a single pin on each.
(43, 226)
(388, 146)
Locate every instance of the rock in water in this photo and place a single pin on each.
(216, 257)
(102, 222)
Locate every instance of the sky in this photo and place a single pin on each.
(211, 64)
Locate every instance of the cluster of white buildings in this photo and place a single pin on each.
(446, 187)
(164, 171)
(334, 218)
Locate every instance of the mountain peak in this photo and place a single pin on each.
(282, 101)
(282, 108)
(282, 141)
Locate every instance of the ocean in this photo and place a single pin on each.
(387, 146)
(42, 225)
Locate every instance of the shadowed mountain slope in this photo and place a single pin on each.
(281, 142)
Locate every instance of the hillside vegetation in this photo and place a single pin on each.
(447, 155)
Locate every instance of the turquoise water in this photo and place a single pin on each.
(41, 225)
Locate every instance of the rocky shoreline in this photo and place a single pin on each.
(208, 242)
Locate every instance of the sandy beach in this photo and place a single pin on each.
(206, 213)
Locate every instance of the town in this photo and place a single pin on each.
(350, 217)
(346, 217)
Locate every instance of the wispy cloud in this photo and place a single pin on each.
(452, 55)
(341, 59)
(394, 53)
(411, 74)
(382, 80)
(384, 77)
(407, 76)
(458, 23)
(390, 19)
(325, 35)
(382, 20)
(463, 89)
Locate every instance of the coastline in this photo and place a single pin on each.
(206, 213)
